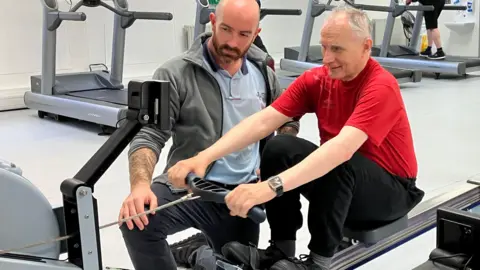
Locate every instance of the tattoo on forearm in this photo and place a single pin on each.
(142, 165)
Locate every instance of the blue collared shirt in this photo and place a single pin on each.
(243, 94)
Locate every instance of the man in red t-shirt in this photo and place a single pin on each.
(362, 174)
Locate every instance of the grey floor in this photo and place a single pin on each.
(442, 113)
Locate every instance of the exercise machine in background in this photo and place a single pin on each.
(298, 59)
(97, 96)
(400, 56)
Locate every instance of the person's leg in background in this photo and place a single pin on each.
(429, 20)
(435, 32)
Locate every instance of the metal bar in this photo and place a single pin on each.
(49, 44)
(421, 219)
(444, 67)
(199, 27)
(417, 27)
(89, 230)
(454, 7)
(279, 11)
(297, 66)
(387, 35)
(118, 44)
(307, 32)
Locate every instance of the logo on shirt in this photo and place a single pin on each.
(262, 98)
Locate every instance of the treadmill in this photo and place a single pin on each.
(313, 54)
(96, 96)
(399, 56)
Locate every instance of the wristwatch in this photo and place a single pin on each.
(276, 184)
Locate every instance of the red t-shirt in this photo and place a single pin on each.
(371, 102)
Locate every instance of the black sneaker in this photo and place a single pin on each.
(437, 56)
(182, 250)
(304, 262)
(251, 257)
(427, 53)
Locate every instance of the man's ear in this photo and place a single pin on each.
(213, 19)
(368, 44)
(258, 31)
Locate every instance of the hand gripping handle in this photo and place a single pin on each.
(212, 192)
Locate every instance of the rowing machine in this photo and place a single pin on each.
(76, 223)
(73, 228)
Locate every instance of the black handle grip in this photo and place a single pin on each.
(161, 16)
(454, 7)
(210, 191)
(273, 11)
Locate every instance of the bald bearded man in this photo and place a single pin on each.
(218, 82)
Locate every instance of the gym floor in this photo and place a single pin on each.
(446, 142)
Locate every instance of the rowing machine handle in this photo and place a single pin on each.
(160, 16)
(209, 191)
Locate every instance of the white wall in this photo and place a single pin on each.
(149, 43)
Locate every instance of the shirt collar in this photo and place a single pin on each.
(215, 67)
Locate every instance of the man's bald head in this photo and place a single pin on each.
(235, 26)
(248, 9)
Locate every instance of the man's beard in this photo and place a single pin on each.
(226, 53)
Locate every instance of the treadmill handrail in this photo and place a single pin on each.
(160, 16)
(71, 16)
(396, 11)
(280, 11)
(205, 13)
(454, 7)
(55, 18)
(131, 15)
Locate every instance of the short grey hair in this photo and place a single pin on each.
(358, 20)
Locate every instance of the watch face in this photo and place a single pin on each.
(276, 182)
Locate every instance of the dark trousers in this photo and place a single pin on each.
(358, 193)
(149, 250)
(431, 17)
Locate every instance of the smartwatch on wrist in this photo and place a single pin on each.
(276, 184)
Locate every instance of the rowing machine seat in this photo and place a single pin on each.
(372, 236)
(27, 216)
